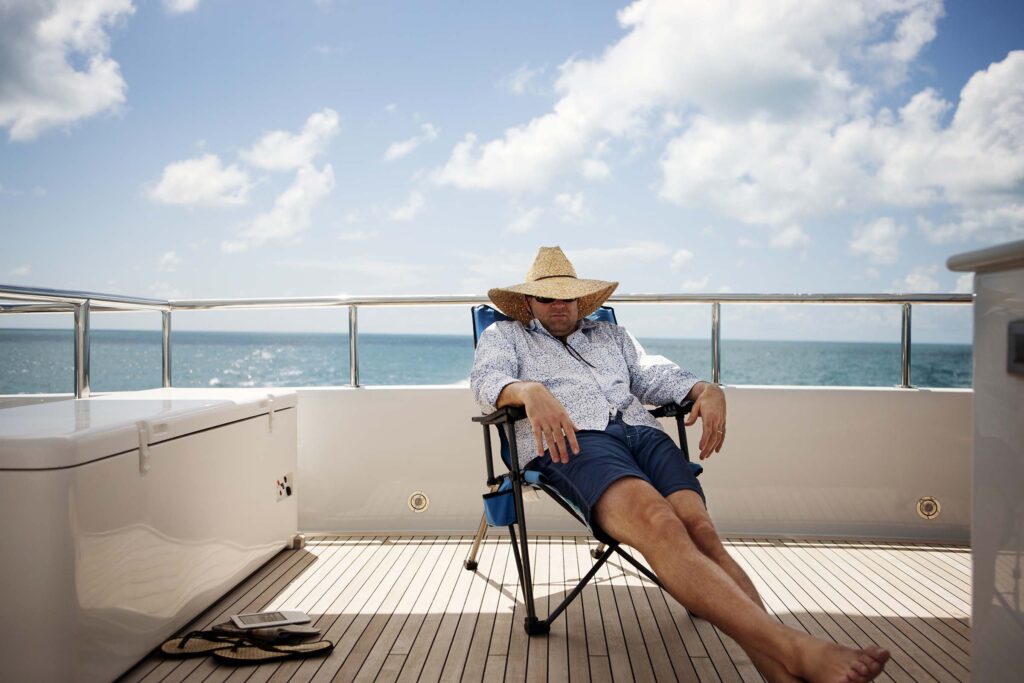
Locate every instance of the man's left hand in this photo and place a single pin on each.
(710, 408)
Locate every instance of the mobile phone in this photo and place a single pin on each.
(268, 619)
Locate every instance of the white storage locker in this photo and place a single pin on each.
(124, 516)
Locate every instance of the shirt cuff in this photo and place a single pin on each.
(687, 387)
(493, 391)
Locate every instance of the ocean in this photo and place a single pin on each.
(41, 361)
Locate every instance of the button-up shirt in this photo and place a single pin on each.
(599, 370)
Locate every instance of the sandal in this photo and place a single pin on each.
(198, 643)
(275, 634)
(243, 653)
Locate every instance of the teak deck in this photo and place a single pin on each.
(403, 608)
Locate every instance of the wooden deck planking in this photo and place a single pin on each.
(402, 608)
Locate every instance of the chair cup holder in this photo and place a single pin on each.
(500, 508)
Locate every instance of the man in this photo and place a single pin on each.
(583, 385)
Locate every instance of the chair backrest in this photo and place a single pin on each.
(484, 316)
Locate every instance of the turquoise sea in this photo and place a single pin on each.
(40, 361)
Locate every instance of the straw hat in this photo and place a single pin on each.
(551, 275)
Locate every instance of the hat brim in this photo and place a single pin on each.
(590, 295)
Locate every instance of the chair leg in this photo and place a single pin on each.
(533, 625)
(470, 562)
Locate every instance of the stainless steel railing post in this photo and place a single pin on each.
(905, 347)
(82, 349)
(165, 347)
(353, 346)
(716, 339)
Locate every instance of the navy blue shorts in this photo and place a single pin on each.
(621, 450)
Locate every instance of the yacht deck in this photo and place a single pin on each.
(403, 608)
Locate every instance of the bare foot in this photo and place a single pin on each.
(823, 662)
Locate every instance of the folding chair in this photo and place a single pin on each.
(503, 506)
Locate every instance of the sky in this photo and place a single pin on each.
(223, 149)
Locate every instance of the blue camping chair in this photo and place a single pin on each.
(503, 506)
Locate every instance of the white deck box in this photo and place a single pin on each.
(123, 516)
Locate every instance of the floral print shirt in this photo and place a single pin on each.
(599, 370)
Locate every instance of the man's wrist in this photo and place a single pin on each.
(699, 387)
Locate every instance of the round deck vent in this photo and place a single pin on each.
(418, 501)
(928, 508)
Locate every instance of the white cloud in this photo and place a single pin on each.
(525, 220)
(180, 6)
(283, 151)
(168, 262)
(879, 240)
(790, 237)
(521, 80)
(56, 67)
(165, 290)
(356, 235)
(203, 181)
(747, 243)
(571, 208)
(767, 171)
(670, 122)
(725, 60)
(397, 150)
(681, 258)
(292, 211)
(920, 280)
(20, 271)
(600, 258)
(996, 224)
(964, 284)
(369, 273)
(410, 209)
(696, 285)
(595, 169)
(774, 108)
(914, 30)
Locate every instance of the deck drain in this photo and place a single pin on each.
(928, 508)
(418, 501)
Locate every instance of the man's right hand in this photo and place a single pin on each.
(547, 415)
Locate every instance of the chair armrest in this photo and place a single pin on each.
(505, 415)
(672, 409)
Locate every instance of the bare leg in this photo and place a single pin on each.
(690, 510)
(632, 511)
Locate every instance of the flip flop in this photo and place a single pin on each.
(198, 643)
(258, 654)
(275, 634)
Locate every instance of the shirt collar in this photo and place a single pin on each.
(535, 326)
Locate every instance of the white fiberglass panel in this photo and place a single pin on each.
(798, 461)
(997, 531)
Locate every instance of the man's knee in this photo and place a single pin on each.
(636, 514)
(706, 537)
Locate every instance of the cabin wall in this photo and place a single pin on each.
(798, 461)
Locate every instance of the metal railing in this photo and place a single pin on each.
(83, 304)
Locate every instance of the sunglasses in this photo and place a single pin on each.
(548, 300)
